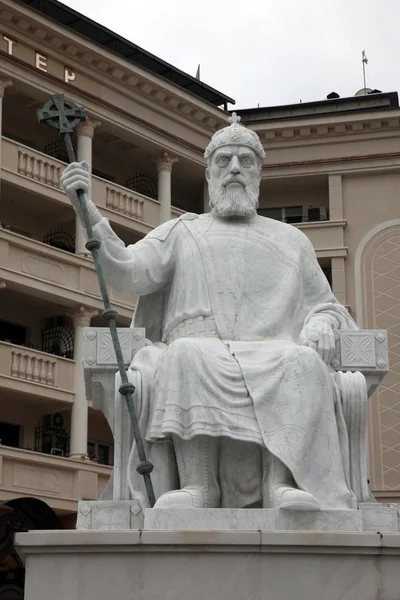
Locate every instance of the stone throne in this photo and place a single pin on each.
(363, 351)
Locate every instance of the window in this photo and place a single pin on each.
(14, 334)
(9, 434)
(100, 453)
(287, 214)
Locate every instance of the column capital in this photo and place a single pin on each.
(87, 127)
(165, 162)
(81, 315)
(4, 84)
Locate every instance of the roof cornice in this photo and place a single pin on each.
(106, 65)
(363, 124)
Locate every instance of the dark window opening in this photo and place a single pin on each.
(14, 334)
(9, 434)
(100, 453)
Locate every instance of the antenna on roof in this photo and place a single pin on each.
(364, 61)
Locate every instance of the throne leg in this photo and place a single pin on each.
(354, 397)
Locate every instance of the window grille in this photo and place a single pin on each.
(143, 183)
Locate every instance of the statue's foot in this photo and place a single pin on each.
(288, 498)
(187, 497)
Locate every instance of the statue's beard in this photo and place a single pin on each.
(241, 201)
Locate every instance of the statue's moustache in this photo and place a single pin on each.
(234, 179)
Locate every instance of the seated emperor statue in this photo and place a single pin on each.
(242, 322)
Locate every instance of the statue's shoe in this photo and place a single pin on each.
(187, 497)
(288, 498)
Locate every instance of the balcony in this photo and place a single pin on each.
(60, 482)
(28, 168)
(35, 373)
(327, 237)
(47, 272)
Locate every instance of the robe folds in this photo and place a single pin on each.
(247, 378)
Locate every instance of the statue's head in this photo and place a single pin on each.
(234, 158)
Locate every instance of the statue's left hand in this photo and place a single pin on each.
(319, 336)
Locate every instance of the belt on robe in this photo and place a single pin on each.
(196, 327)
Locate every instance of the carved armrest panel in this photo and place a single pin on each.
(98, 353)
(99, 360)
(365, 350)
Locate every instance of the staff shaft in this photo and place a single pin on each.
(126, 388)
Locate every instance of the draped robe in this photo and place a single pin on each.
(248, 379)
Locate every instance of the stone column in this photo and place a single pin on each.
(85, 134)
(4, 84)
(164, 168)
(79, 416)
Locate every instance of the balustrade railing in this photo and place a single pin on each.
(31, 367)
(32, 371)
(39, 168)
(126, 203)
(18, 159)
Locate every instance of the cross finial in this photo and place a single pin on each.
(234, 118)
(61, 113)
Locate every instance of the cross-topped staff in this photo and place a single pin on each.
(64, 115)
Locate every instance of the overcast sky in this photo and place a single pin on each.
(265, 52)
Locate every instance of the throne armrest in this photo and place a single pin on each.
(100, 364)
(364, 350)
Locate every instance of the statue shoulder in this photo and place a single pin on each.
(273, 225)
(188, 216)
(293, 236)
(300, 240)
(162, 231)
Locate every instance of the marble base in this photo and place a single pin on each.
(228, 565)
(251, 520)
(110, 514)
(127, 514)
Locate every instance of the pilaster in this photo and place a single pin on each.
(335, 198)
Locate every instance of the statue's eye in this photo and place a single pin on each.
(245, 160)
(223, 160)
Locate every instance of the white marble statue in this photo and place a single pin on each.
(240, 321)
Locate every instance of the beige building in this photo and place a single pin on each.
(332, 169)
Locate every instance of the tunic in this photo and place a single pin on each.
(257, 281)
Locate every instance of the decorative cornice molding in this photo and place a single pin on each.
(142, 83)
(283, 132)
(110, 106)
(339, 159)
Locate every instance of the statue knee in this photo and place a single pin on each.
(305, 353)
(184, 349)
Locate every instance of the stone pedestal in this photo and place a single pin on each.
(127, 514)
(223, 565)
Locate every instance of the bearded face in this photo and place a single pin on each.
(233, 175)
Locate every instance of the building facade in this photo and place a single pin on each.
(332, 169)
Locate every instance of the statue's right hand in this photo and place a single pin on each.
(76, 177)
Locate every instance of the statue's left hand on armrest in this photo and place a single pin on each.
(318, 334)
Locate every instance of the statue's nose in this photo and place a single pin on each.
(235, 167)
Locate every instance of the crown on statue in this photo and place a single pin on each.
(235, 134)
